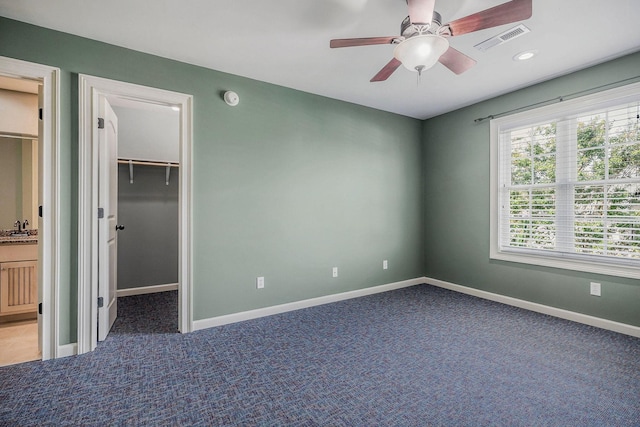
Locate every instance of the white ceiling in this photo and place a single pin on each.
(286, 42)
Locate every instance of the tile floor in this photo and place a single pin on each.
(18, 342)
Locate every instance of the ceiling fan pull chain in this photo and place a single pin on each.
(419, 69)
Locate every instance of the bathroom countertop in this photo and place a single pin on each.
(6, 237)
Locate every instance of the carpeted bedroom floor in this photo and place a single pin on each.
(412, 357)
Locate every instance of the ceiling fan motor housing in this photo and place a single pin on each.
(409, 29)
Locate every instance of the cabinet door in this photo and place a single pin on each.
(18, 287)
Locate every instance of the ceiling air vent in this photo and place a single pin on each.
(504, 37)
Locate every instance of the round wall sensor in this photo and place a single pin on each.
(231, 98)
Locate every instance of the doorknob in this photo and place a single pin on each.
(119, 227)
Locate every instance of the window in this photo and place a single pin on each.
(565, 184)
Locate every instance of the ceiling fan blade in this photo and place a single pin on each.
(421, 11)
(364, 41)
(456, 61)
(386, 71)
(513, 11)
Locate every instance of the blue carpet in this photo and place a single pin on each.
(412, 357)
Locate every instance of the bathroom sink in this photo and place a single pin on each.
(19, 234)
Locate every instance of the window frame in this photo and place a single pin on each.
(557, 111)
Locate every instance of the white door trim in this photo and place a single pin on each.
(89, 89)
(49, 232)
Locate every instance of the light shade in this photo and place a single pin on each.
(420, 53)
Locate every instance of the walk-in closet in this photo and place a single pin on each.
(148, 197)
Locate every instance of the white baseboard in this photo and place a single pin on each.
(297, 305)
(598, 322)
(72, 349)
(67, 350)
(147, 289)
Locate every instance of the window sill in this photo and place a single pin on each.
(566, 263)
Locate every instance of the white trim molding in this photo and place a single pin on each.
(598, 322)
(90, 88)
(67, 350)
(515, 302)
(49, 228)
(147, 289)
(71, 349)
(297, 305)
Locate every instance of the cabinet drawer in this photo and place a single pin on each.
(18, 252)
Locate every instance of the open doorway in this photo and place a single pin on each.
(140, 157)
(19, 165)
(148, 196)
(29, 232)
(146, 217)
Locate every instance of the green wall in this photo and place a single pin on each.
(286, 185)
(148, 209)
(456, 168)
(11, 179)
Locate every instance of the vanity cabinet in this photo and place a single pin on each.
(18, 279)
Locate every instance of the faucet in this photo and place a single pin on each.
(19, 225)
(24, 225)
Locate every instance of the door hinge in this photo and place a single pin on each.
(100, 123)
(100, 302)
(100, 213)
(40, 113)
(40, 308)
(40, 211)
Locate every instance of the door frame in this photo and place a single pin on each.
(49, 229)
(89, 89)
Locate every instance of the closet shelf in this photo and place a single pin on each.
(148, 163)
(132, 162)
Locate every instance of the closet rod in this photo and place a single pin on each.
(146, 163)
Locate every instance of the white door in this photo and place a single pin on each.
(108, 202)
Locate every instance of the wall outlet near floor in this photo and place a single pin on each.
(260, 282)
(596, 289)
(335, 271)
(385, 264)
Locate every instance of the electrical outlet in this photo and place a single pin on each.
(335, 271)
(596, 289)
(260, 283)
(385, 264)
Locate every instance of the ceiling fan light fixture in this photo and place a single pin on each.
(419, 53)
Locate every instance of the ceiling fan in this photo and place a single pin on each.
(423, 39)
